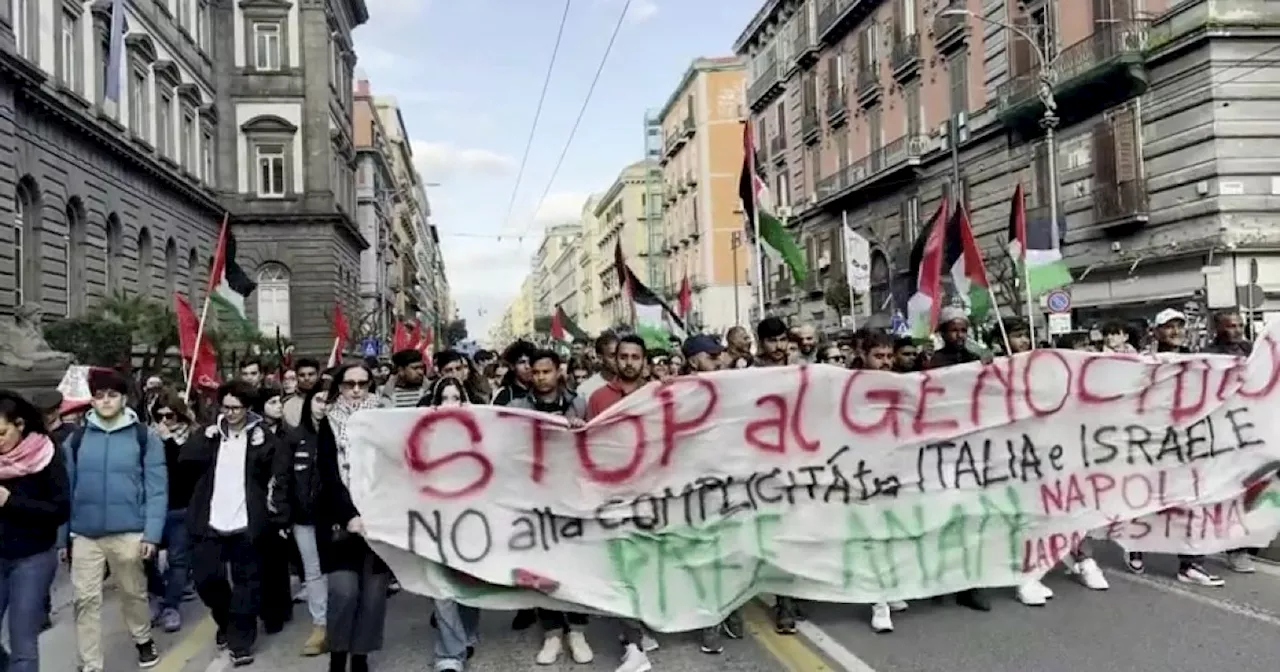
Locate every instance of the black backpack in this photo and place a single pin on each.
(143, 434)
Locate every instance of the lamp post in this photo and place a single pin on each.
(1048, 121)
(735, 241)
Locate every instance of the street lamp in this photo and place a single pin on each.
(1044, 90)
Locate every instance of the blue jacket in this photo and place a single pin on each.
(115, 490)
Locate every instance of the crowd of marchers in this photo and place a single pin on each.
(243, 502)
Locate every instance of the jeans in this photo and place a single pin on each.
(233, 604)
(24, 585)
(170, 585)
(317, 589)
(458, 625)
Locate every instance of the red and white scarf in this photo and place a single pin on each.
(31, 455)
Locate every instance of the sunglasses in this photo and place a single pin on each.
(165, 415)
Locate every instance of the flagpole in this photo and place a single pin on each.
(208, 298)
(333, 352)
(1026, 290)
(1004, 334)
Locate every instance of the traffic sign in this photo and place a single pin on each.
(1058, 301)
(370, 346)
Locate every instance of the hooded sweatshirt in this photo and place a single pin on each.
(117, 485)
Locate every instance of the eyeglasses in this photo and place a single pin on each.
(353, 384)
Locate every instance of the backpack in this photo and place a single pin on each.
(140, 430)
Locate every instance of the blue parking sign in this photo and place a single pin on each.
(370, 346)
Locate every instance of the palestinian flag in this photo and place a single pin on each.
(1035, 253)
(564, 329)
(652, 318)
(229, 285)
(757, 209)
(926, 267)
(963, 260)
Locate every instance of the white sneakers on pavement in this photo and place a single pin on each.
(634, 660)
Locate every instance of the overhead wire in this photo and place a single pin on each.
(537, 113)
(582, 111)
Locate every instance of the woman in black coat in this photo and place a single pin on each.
(358, 579)
(35, 500)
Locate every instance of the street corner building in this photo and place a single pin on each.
(869, 113)
(122, 154)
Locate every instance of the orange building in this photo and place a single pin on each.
(702, 220)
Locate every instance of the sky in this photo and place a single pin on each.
(467, 74)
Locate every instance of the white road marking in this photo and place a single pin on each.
(1198, 596)
(826, 644)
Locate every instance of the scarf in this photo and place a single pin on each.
(31, 455)
(178, 435)
(338, 414)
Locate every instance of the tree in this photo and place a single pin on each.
(455, 332)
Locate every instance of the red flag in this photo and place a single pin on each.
(684, 301)
(557, 325)
(340, 333)
(425, 341)
(401, 340)
(413, 337)
(219, 258)
(202, 365)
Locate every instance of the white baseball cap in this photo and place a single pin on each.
(1169, 315)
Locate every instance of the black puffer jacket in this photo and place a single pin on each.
(299, 488)
(201, 453)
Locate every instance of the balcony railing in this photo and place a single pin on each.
(903, 152)
(837, 106)
(868, 82)
(810, 127)
(835, 13)
(949, 30)
(689, 126)
(1116, 44)
(765, 84)
(905, 59)
(804, 44)
(778, 146)
(1120, 202)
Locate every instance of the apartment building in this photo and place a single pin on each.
(622, 212)
(1163, 133)
(565, 269)
(285, 97)
(552, 274)
(105, 195)
(701, 217)
(376, 191)
(589, 316)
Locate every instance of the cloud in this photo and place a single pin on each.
(641, 11)
(379, 8)
(442, 160)
(561, 207)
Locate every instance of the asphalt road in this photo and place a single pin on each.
(1143, 623)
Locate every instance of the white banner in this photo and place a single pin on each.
(686, 500)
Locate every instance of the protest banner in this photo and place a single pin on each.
(691, 497)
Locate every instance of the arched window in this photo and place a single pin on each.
(273, 300)
(193, 278)
(881, 284)
(73, 252)
(145, 261)
(170, 270)
(111, 265)
(26, 249)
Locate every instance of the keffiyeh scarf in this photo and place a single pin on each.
(338, 414)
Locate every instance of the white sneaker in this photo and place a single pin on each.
(897, 605)
(634, 660)
(648, 643)
(881, 621)
(1045, 590)
(1031, 594)
(550, 651)
(1090, 574)
(579, 650)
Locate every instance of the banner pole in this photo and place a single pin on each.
(844, 237)
(195, 353)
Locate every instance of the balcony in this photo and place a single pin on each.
(1094, 74)
(767, 86)
(881, 167)
(950, 31)
(810, 127)
(868, 84)
(835, 17)
(804, 44)
(688, 127)
(1120, 204)
(905, 58)
(837, 106)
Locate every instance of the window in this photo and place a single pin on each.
(273, 300)
(957, 74)
(21, 208)
(24, 17)
(139, 106)
(206, 158)
(164, 123)
(171, 267)
(184, 14)
(69, 51)
(904, 15)
(104, 70)
(782, 189)
(111, 265)
(73, 251)
(875, 132)
(270, 161)
(205, 19)
(266, 46)
(911, 108)
(145, 261)
(187, 143)
(910, 220)
(782, 121)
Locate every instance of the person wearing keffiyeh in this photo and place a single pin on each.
(357, 578)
